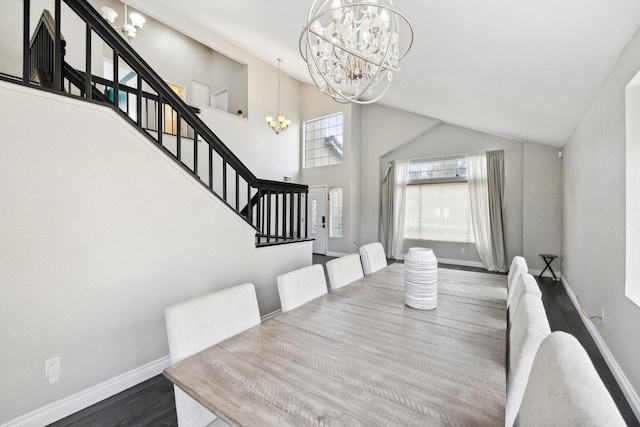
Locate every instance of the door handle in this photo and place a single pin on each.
(323, 221)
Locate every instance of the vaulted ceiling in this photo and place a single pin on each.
(522, 69)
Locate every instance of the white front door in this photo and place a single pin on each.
(317, 221)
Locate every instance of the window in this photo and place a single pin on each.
(437, 201)
(335, 212)
(632, 179)
(323, 141)
(442, 170)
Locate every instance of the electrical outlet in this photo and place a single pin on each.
(461, 250)
(602, 314)
(52, 369)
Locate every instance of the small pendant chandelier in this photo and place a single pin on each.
(352, 47)
(281, 123)
(129, 30)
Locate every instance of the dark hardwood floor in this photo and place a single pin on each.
(151, 403)
(563, 316)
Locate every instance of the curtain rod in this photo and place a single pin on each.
(441, 157)
(450, 156)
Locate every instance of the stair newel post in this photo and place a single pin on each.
(299, 216)
(58, 53)
(306, 213)
(26, 54)
(87, 74)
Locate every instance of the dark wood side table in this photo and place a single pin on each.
(548, 259)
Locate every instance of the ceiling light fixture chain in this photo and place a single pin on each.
(281, 123)
(352, 47)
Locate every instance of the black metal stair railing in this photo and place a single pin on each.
(275, 209)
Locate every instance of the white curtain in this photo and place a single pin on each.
(393, 194)
(386, 210)
(399, 203)
(495, 184)
(479, 201)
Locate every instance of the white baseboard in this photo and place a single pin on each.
(79, 401)
(621, 378)
(461, 262)
(536, 273)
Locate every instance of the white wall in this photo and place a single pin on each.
(227, 73)
(267, 155)
(99, 232)
(593, 226)
(541, 206)
(11, 37)
(346, 175)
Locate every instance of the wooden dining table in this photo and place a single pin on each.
(359, 356)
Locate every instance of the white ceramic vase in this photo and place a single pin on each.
(421, 279)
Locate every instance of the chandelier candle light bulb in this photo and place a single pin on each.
(352, 47)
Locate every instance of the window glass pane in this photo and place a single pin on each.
(323, 141)
(335, 212)
(438, 212)
(437, 169)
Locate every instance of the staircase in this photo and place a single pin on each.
(274, 209)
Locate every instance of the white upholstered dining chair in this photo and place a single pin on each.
(300, 286)
(524, 284)
(201, 322)
(530, 326)
(564, 388)
(373, 257)
(344, 270)
(518, 266)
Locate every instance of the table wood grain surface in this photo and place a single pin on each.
(359, 356)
